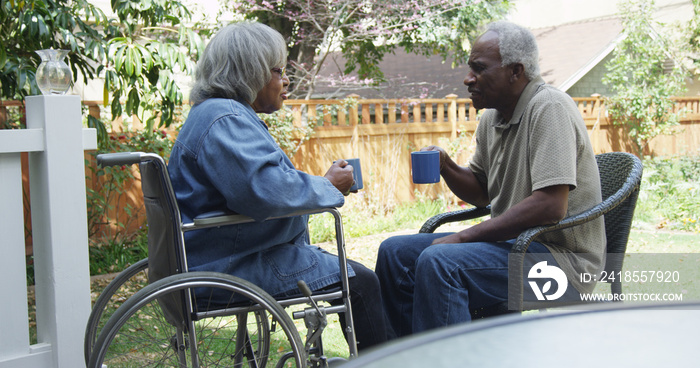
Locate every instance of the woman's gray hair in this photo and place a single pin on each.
(237, 62)
(517, 46)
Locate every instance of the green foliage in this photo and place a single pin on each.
(643, 89)
(452, 33)
(447, 31)
(137, 54)
(365, 31)
(144, 51)
(30, 25)
(670, 194)
(693, 30)
(116, 256)
(288, 136)
(291, 137)
(113, 185)
(14, 119)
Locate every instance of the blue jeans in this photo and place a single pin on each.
(425, 287)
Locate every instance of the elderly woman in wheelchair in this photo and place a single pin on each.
(243, 210)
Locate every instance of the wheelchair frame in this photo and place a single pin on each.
(315, 317)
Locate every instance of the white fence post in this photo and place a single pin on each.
(14, 334)
(55, 141)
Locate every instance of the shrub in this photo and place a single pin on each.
(669, 194)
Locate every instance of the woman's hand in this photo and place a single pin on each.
(340, 175)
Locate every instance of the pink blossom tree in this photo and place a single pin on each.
(364, 31)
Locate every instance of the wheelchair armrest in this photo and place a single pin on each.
(440, 219)
(223, 218)
(217, 218)
(208, 215)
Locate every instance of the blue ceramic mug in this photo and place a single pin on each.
(425, 167)
(356, 173)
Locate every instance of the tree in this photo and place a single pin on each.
(137, 54)
(637, 75)
(28, 26)
(145, 49)
(693, 35)
(364, 31)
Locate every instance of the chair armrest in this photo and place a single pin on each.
(224, 218)
(527, 236)
(515, 272)
(440, 219)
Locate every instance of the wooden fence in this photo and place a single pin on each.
(382, 133)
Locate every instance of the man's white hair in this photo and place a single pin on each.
(517, 46)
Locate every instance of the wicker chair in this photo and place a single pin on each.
(620, 177)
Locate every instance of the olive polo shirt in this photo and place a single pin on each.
(545, 143)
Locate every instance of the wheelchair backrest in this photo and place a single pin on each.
(165, 239)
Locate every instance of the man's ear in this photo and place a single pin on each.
(518, 72)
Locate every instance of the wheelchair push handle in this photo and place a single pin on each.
(118, 159)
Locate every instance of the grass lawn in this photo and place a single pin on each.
(676, 246)
(647, 241)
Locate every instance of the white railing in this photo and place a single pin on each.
(55, 141)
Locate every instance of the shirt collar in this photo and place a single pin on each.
(528, 93)
(252, 112)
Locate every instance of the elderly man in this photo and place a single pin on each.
(533, 164)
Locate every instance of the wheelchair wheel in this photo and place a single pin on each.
(251, 331)
(126, 284)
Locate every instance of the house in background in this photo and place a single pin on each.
(572, 58)
(565, 27)
(576, 38)
(572, 54)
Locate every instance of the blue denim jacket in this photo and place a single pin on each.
(225, 159)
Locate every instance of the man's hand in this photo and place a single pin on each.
(455, 238)
(461, 180)
(443, 154)
(340, 175)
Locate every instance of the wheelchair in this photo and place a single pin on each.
(180, 318)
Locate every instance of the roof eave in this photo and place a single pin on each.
(574, 78)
